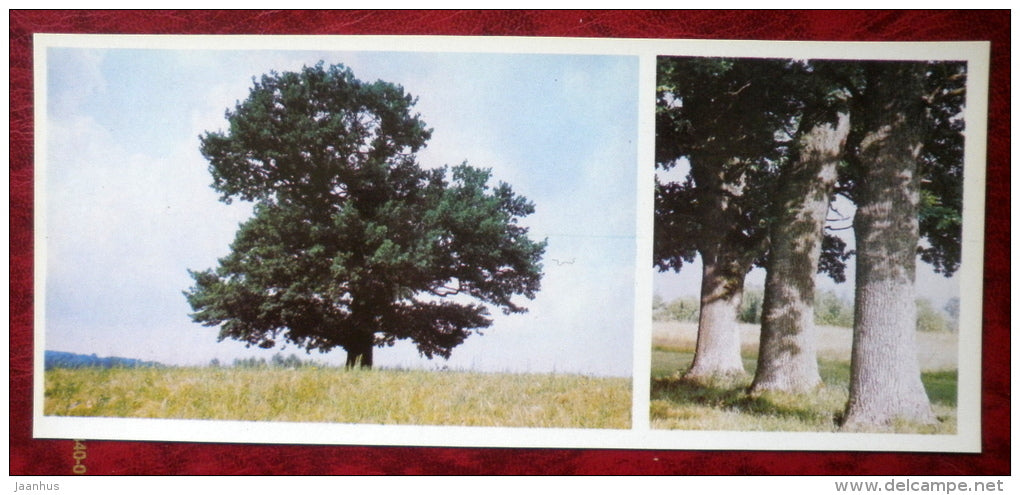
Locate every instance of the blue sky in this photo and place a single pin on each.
(128, 207)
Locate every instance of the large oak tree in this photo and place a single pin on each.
(353, 244)
(907, 184)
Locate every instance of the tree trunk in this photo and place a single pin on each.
(717, 354)
(885, 376)
(786, 356)
(726, 257)
(360, 343)
(359, 353)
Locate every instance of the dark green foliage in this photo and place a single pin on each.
(352, 243)
(314, 136)
(940, 164)
(733, 120)
(833, 258)
(716, 114)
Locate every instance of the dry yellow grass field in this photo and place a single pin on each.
(336, 395)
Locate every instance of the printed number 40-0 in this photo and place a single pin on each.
(79, 457)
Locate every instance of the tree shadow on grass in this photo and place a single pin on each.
(757, 411)
(724, 404)
(715, 393)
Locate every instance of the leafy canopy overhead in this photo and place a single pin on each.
(940, 163)
(351, 239)
(733, 121)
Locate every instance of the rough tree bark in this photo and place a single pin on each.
(725, 264)
(717, 354)
(786, 357)
(885, 381)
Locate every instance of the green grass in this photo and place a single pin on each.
(336, 395)
(724, 405)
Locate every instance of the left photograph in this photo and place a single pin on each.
(356, 237)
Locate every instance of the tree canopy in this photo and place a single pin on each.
(940, 163)
(740, 116)
(352, 243)
(734, 121)
(710, 114)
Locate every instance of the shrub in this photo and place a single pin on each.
(750, 306)
(930, 319)
(832, 310)
(681, 309)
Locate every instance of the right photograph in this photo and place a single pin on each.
(807, 241)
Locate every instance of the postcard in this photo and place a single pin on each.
(510, 242)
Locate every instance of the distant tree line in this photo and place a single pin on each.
(830, 310)
(58, 359)
(277, 361)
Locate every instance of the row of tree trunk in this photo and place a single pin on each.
(885, 383)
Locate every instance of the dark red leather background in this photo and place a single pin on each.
(52, 457)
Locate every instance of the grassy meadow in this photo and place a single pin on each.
(680, 404)
(336, 395)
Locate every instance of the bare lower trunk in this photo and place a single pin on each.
(717, 354)
(885, 381)
(786, 357)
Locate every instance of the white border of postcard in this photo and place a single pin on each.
(640, 435)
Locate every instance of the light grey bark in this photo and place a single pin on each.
(717, 354)
(885, 382)
(787, 359)
(724, 266)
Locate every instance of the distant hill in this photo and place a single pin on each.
(58, 359)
